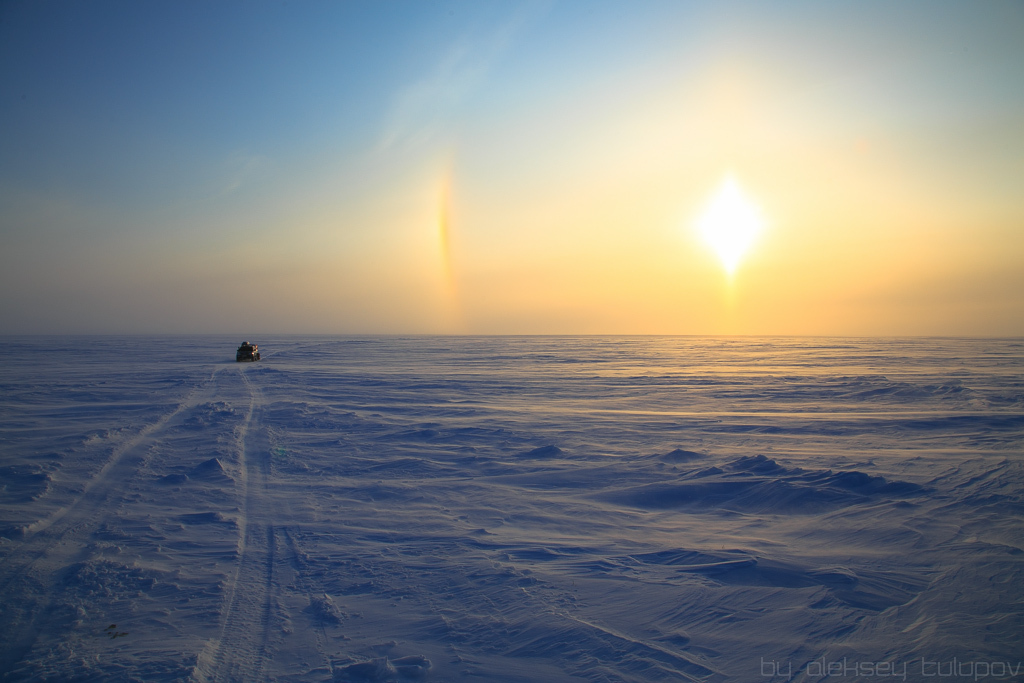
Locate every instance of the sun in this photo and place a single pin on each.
(730, 224)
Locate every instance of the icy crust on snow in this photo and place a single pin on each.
(509, 509)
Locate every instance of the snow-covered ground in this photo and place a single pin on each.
(512, 509)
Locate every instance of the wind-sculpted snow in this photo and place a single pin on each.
(511, 509)
(759, 484)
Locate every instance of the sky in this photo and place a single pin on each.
(402, 167)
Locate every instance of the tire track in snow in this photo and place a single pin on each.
(45, 533)
(312, 594)
(52, 543)
(250, 595)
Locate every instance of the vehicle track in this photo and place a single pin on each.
(125, 459)
(241, 649)
(55, 542)
(311, 593)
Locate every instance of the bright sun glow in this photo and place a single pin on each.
(730, 224)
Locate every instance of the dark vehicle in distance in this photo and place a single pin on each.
(247, 351)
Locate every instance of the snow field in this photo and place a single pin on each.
(505, 509)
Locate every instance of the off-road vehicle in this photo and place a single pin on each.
(247, 351)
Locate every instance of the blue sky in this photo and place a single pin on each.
(161, 162)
